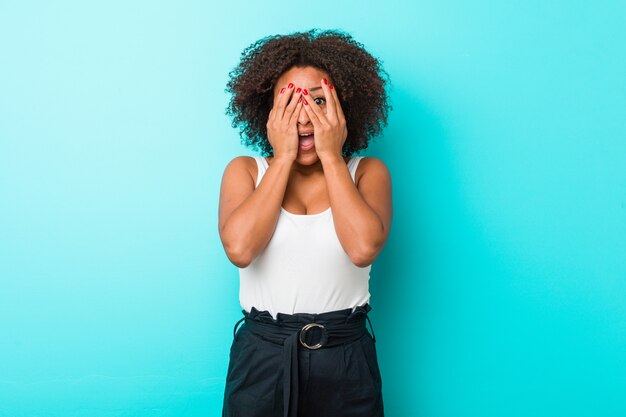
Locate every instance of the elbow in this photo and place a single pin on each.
(364, 258)
(362, 262)
(366, 255)
(236, 249)
(240, 262)
(238, 256)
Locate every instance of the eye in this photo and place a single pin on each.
(320, 100)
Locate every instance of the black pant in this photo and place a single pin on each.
(333, 381)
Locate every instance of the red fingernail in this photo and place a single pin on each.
(331, 86)
(282, 90)
(305, 92)
(298, 90)
(300, 100)
(290, 85)
(325, 80)
(306, 103)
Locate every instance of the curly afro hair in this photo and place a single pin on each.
(358, 77)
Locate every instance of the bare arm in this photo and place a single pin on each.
(362, 216)
(248, 216)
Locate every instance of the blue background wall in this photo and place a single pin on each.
(502, 288)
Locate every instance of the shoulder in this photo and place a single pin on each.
(242, 162)
(242, 167)
(370, 166)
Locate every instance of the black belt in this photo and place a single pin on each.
(312, 331)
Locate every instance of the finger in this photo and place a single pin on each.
(338, 108)
(331, 107)
(294, 117)
(283, 99)
(292, 104)
(309, 111)
(317, 110)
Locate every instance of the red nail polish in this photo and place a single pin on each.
(325, 80)
(282, 90)
(300, 100)
(305, 92)
(290, 85)
(298, 90)
(331, 86)
(306, 103)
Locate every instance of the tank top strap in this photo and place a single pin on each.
(261, 165)
(353, 163)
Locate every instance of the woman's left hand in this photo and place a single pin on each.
(329, 124)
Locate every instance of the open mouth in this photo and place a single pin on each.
(307, 140)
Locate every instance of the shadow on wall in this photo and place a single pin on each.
(415, 148)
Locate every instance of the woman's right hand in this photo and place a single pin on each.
(282, 129)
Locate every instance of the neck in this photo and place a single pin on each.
(306, 170)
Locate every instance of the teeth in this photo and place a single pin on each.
(306, 134)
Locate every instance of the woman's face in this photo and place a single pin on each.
(309, 78)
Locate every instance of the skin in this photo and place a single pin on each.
(305, 182)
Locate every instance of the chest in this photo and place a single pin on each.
(306, 195)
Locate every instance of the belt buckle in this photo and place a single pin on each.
(306, 328)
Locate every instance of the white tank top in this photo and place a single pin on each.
(304, 268)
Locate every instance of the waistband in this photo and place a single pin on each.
(311, 331)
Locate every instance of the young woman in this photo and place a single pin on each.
(304, 225)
